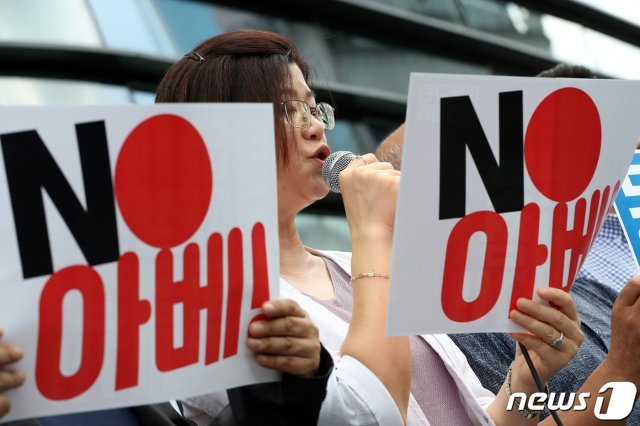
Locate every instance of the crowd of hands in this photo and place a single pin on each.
(286, 339)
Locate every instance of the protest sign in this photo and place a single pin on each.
(138, 243)
(505, 183)
(628, 206)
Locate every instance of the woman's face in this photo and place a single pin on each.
(300, 182)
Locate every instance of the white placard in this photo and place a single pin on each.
(138, 243)
(505, 183)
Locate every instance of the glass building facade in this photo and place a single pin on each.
(361, 51)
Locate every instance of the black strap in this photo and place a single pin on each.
(180, 407)
(536, 378)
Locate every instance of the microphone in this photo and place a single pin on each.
(333, 165)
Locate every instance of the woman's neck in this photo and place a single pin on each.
(293, 255)
(304, 271)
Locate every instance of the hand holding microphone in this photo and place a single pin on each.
(369, 190)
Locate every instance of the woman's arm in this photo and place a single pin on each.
(284, 339)
(295, 400)
(369, 190)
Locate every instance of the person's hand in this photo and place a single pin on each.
(285, 339)
(545, 325)
(624, 352)
(8, 379)
(369, 191)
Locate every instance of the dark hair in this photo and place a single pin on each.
(568, 71)
(239, 66)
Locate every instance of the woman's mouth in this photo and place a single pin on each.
(321, 154)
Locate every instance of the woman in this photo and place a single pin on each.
(346, 294)
(285, 340)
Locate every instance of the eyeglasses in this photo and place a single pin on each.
(299, 114)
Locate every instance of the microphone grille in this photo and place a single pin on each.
(333, 165)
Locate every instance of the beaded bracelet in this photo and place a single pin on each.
(369, 275)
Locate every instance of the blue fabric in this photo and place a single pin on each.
(490, 354)
(610, 261)
(118, 416)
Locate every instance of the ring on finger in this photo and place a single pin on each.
(363, 159)
(559, 341)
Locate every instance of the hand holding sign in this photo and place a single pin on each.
(286, 340)
(554, 337)
(8, 379)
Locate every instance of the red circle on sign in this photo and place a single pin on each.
(163, 180)
(562, 144)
